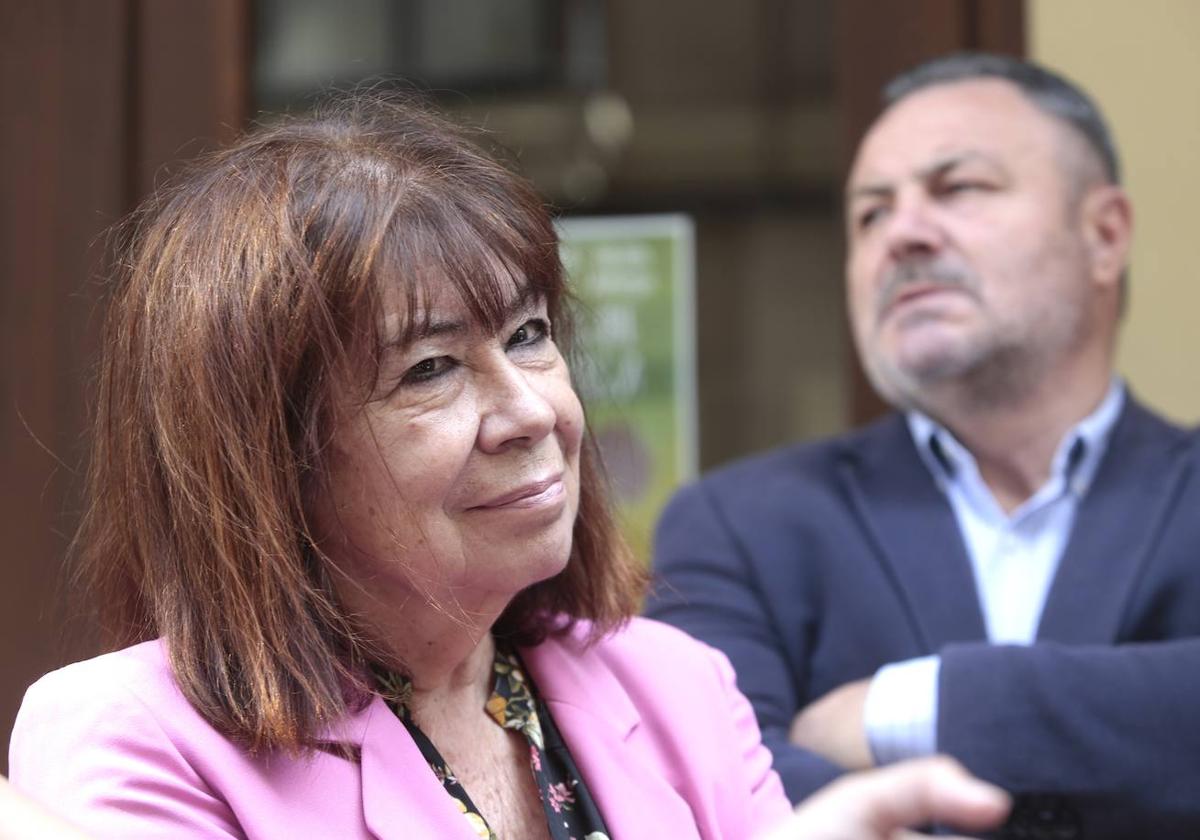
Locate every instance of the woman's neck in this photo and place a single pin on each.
(447, 652)
(452, 685)
(450, 667)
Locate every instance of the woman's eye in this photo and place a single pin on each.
(533, 331)
(427, 370)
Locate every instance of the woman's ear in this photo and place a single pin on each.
(1107, 220)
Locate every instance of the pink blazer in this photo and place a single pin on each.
(667, 745)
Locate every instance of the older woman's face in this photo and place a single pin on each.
(459, 479)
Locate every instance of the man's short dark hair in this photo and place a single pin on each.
(1049, 91)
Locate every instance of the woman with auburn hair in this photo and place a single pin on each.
(347, 534)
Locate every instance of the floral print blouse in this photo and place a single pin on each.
(571, 814)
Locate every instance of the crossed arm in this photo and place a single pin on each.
(1111, 728)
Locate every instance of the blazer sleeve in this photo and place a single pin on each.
(1103, 738)
(705, 585)
(768, 805)
(93, 752)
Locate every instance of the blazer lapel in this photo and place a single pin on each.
(1135, 488)
(402, 799)
(913, 533)
(599, 722)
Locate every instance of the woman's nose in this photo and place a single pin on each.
(515, 410)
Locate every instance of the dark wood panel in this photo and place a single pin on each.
(97, 96)
(63, 89)
(999, 26)
(192, 81)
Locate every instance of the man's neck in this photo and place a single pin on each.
(1014, 445)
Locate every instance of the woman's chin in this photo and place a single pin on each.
(523, 569)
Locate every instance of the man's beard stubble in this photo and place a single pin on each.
(988, 373)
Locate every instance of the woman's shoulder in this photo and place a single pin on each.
(114, 746)
(639, 633)
(141, 670)
(645, 649)
(116, 697)
(640, 630)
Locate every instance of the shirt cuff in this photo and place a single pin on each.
(900, 714)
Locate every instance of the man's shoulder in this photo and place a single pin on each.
(812, 462)
(1140, 422)
(1144, 442)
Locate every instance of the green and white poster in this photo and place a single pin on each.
(634, 278)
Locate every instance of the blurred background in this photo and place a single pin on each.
(740, 115)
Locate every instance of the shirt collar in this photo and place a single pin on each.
(1075, 460)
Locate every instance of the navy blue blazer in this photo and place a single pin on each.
(814, 565)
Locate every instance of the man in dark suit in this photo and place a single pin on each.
(1007, 569)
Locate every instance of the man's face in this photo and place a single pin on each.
(967, 262)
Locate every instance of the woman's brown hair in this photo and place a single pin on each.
(245, 294)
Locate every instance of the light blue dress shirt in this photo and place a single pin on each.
(1013, 558)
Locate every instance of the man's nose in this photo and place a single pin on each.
(514, 410)
(913, 227)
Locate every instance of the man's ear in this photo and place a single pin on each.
(1107, 219)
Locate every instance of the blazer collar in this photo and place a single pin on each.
(401, 797)
(569, 673)
(1135, 489)
(600, 721)
(913, 533)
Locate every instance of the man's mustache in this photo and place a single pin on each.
(927, 272)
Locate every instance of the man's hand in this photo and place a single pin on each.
(877, 804)
(833, 727)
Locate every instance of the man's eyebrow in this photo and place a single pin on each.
(945, 164)
(928, 172)
(878, 190)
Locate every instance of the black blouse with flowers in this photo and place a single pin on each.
(570, 811)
